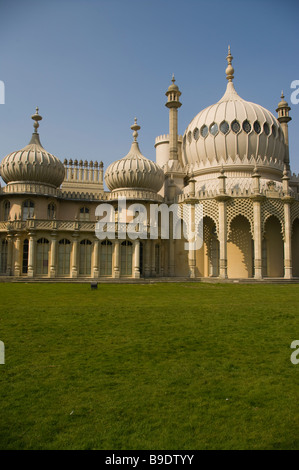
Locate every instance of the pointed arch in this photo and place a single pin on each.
(273, 248)
(240, 248)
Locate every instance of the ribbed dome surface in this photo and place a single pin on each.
(230, 128)
(134, 171)
(33, 164)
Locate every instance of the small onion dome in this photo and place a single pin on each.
(173, 86)
(33, 163)
(282, 103)
(134, 171)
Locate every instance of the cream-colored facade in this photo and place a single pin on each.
(233, 159)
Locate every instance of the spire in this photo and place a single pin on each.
(35, 135)
(283, 111)
(229, 69)
(36, 117)
(135, 128)
(134, 151)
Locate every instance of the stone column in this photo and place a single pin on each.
(153, 258)
(257, 237)
(75, 256)
(288, 271)
(31, 255)
(222, 239)
(116, 273)
(162, 271)
(147, 258)
(222, 198)
(53, 255)
(136, 259)
(96, 258)
(171, 252)
(17, 265)
(171, 269)
(9, 254)
(192, 252)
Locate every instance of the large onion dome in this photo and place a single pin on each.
(233, 130)
(33, 164)
(134, 171)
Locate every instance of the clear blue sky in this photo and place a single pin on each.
(93, 65)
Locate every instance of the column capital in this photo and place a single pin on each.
(288, 199)
(222, 197)
(257, 197)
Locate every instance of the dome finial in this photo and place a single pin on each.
(282, 95)
(36, 117)
(229, 69)
(173, 79)
(135, 128)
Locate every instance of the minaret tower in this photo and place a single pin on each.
(174, 172)
(173, 104)
(283, 117)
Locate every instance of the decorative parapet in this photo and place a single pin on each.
(236, 164)
(31, 188)
(165, 138)
(86, 176)
(85, 196)
(135, 194)
(46, 225)
(271, 193)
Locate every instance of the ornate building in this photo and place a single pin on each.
(233, 160)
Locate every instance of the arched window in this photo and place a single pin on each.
(64, 257)
(28, 209)
(106, 258)
(84, 213)
(85, 257)
(6, 210)
(3, 256)
(126, 258)
(25, 256)
(51, 211)
(42, 256)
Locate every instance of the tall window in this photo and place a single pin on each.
(126, 258)
(64, 257)
(6, 210)
(141, 258)
(85, 257)
(3, 256)
(106, 258)
(51, 211)
(28, 209)
(84, 213)
(25, 256)
(157, 258)
(42, 256)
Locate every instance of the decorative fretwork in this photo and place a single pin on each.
(240, 206)
(272, 207)
(210, 209)
(294, 212)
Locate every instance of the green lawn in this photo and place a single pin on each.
(161, 366)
